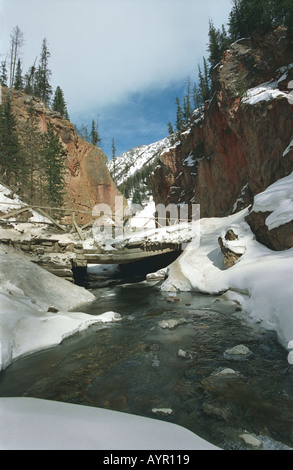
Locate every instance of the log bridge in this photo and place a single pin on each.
(64, 259)
(63, 255)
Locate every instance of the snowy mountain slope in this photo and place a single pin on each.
(137, 158)
(131, 171)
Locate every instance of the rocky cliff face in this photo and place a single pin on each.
(236, 145)
(88, 181)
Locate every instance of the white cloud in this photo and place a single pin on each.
(103, 50)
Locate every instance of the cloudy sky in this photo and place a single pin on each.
(120, 62)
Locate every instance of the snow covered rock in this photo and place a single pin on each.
(160, 275)
(36, 309)
(230, 256)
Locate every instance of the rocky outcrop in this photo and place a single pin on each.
(279, 238)
(230, 257)
(88, 180)
(233, 148)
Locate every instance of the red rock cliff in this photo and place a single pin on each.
(233, 148)
(88, 181)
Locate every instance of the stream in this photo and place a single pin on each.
(165, 360)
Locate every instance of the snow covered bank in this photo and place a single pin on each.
(34, 424)
(36, 308)
(261, 280)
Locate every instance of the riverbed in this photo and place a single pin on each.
(166, 358)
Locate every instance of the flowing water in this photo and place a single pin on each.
(162, 359)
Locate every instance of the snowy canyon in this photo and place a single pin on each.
(234, 159)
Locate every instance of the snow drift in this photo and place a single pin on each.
(51, 425)
(36, 308)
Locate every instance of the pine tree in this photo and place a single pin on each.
(136, 198)
(53, 162)
(29, 80)
(18, 82)
(287, 13)
(197, 98)
(218, 43)
(213, 46)
(204, 85)
(259, 16)
(43, 89)
(95, 139)
(59, 104)
(32, 150)
(206, 78)
(11, 162)
(113, 148)
(179, 115)
(187, 102)
(114, 158)
(237, 26)
(3, 76)
(170, 128)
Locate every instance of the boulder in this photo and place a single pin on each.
(238, 353)
(279, 238)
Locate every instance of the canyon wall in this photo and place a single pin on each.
(87, 179)
(235, 146)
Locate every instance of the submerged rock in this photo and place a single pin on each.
(170, 323)
(186, 354)
(222, 380)
(224, 371)
(251, 440)
(162, 411)
(221, 413)
(173, 299)
(238, 353)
